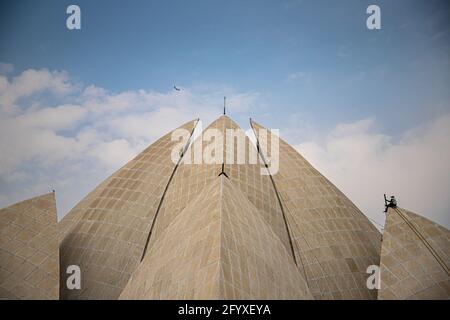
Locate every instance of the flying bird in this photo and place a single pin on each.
(175, 87)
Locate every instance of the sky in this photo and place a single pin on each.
(370, 109)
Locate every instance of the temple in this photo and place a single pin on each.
(164, 229)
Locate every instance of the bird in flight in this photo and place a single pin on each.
(175, 87)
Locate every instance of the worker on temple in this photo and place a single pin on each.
(392, 203)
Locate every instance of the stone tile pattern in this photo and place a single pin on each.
(29, 258)
(106, 232)
(408, 269)
(184, 262)
(254, 262)
(190, 179)
(218, 247)
(334, 242)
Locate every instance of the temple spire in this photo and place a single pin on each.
(224, 104)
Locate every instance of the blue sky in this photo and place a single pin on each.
(347, 71)
(305, 67)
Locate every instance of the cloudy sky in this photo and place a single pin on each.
(369, 108)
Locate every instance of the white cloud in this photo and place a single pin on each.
(30, 82)
(296, 76)
(115, 153)
(58, 134)
(365, 163)
(53, 118)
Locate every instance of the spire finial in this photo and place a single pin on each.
(224, 104)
